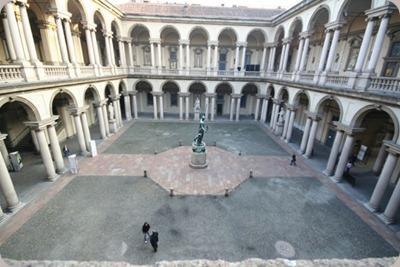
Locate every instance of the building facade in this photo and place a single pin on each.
(324, 70)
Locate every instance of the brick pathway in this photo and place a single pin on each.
(171, 170)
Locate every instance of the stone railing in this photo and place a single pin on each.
(55, 72)
(252, 73)
(107, 70)
(385, 84)
(170, 71)
(141, 70)
(198, 72)
(306, 77)
(10, 73)
(336, 80)
(288, 76)
(87, 71)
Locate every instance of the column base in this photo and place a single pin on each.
(335, 179)
(327, 172)
(16, 207)
(84, 153)
(385, 219)
(62, 171)
(370, 208)
(53, 178)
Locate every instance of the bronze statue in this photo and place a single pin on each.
(198, 144)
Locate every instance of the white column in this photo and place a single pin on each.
(100, 118)
(128, 110)
(257, 108)
(286, 57)
(70, 42)
(344, 157)
(383, 181)
(236, 58)
(130, 55)
(276, 115)
(264, 110)
(212, 107)
(135, 110)
(46, 155)
(282, 57)
(290, 127)
(121, 123)
(332, 50)
(311, 138)
(10, 45)
(55, 149)
(238, 108)
(264, 55)
(122, 53)
(187, 108)
(286, 124)
(299, 54)
(180, 57)
(105, 117)
(207, 103)
(161, 107)
(61, 40)
(152, 54)
(377, 47)
(271, 122)
(324, 51)
(392, 206)
(208, 57)
(232, 108)
(86, 131)
(306, 133)
(108, 50)
(28, 33)
(7, 186)
(188, 58)
(362, 55)
(79, 134)
(90, 46)
(216, 58)
(159, 55)
(273, 58)
(12, 22)
(4, 151)
(304, 55)
(112, 51)
(96, 47)
(330, 166)
(243, 58)
(155, 107)
(380, 158)
(181, 107)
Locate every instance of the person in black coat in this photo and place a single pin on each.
(145, 230)
(154, 241)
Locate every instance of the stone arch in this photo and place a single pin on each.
(230, 32)
(270, 91)
(97, 14)
(360, 115)
(170, 28)
(30, 108)
(80, 8)
(94, 91)
(333, 98)
(171, 83)
(138, 26)
(110, 87)
(279, 34)
(144, 83)
(249, 87)
(283, 94)
(295, 23)
(258, 30)
(347, 3)
(122, 87)
(62, 91)
(201, 29)
(318, 11)
(223, 84)
(297, 96)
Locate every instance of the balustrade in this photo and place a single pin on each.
(11, 73)
(55, 72)
(385, 84)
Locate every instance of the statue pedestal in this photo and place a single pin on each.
(196, 115)
(198, 160)
(279, 128)
(113, 125)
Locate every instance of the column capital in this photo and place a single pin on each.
(100, 103)
(40, 125)
(312, 115)
(349, 130)
(210, 94)
(88, 26)
(126, 39)
(157, 93)
(155, 40)
(392, 147)
(76, 111)
(3, 136)
(115, 97)
(261, 96)
(381, 11)
(332, 26)
(184, 42)
(244, 44)
(133, 92)
(306, 34)
(210, 43)
(291, 107)
(271, 44)
(183, 94)
(287, 40)
(107, 33)
(276, 101)
(60, 14)
(236, 95)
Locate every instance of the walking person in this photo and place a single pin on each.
(293, 161)
(349, 165)
(154, 241)
(66, 151)
(145, 230)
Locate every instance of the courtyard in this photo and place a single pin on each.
(283, 212)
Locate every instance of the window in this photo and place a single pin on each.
(392, 61)
(149, 99)
(174, 99)
(173, 58)
(243, 100)
(198, 58)
(147, 56)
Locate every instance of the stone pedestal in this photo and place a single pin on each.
(196, 115)
(279, 128)
(113, 125)
(198, 160)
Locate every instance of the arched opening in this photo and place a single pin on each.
(141, 46)
(254, 51)
(270, 96)
(302, 103)
(171, 90)
(317, 27)
(197, 90)
(227, 44)
(280, 34)
(91, 98)
(294, 32)
(248, 100)
(78, 32)
(224, 92)
(198, 39)
(61, 106)
(169, 47)
(35, 23)
(144, 97)
(115, 36)
(20, 139)
(122, 92)
(101, 40)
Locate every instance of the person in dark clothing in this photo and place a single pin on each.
(293, 161)
(154, 241)
(145, 230)
(66, 151)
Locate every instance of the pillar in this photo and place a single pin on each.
(232, 108)
(105, 117)
(188, 58)
(128, 110)
(90, 47)
(383, 181)
(311, 138)
(100, 118)
(134, 104)
(286, 57)
(9, 41)
(212, 107)
(330, 166)
(380, 158)
(130, 55)
(112, 51)
(264, 55)
(332, 50)
(207, 103)
(180, 65)
(392, 206)
(4, 151)
(238, 108)
(291, 123)
(306, 133)
(86, 132)
(264, 110)
(55, 149)
(362, 54)
(79, 134)
(152, 54)
(208, 57)
(304, 56)
(155, 107)
(161, 107)
(159, 64)
(187, 107)
(299, 54)
(216, 58)
(344, 157)
(61, 40)
(377, 47)
(96, 47)
(70, 42)
(108, 50)
(236, 58)
(180, 107)
(12, 22)
(257, 108)
(243, 58)
(7, 186)
(28, 33)
(45, 153)
(286, 124)
(324, 52)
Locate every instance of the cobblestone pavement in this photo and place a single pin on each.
(171, 170)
